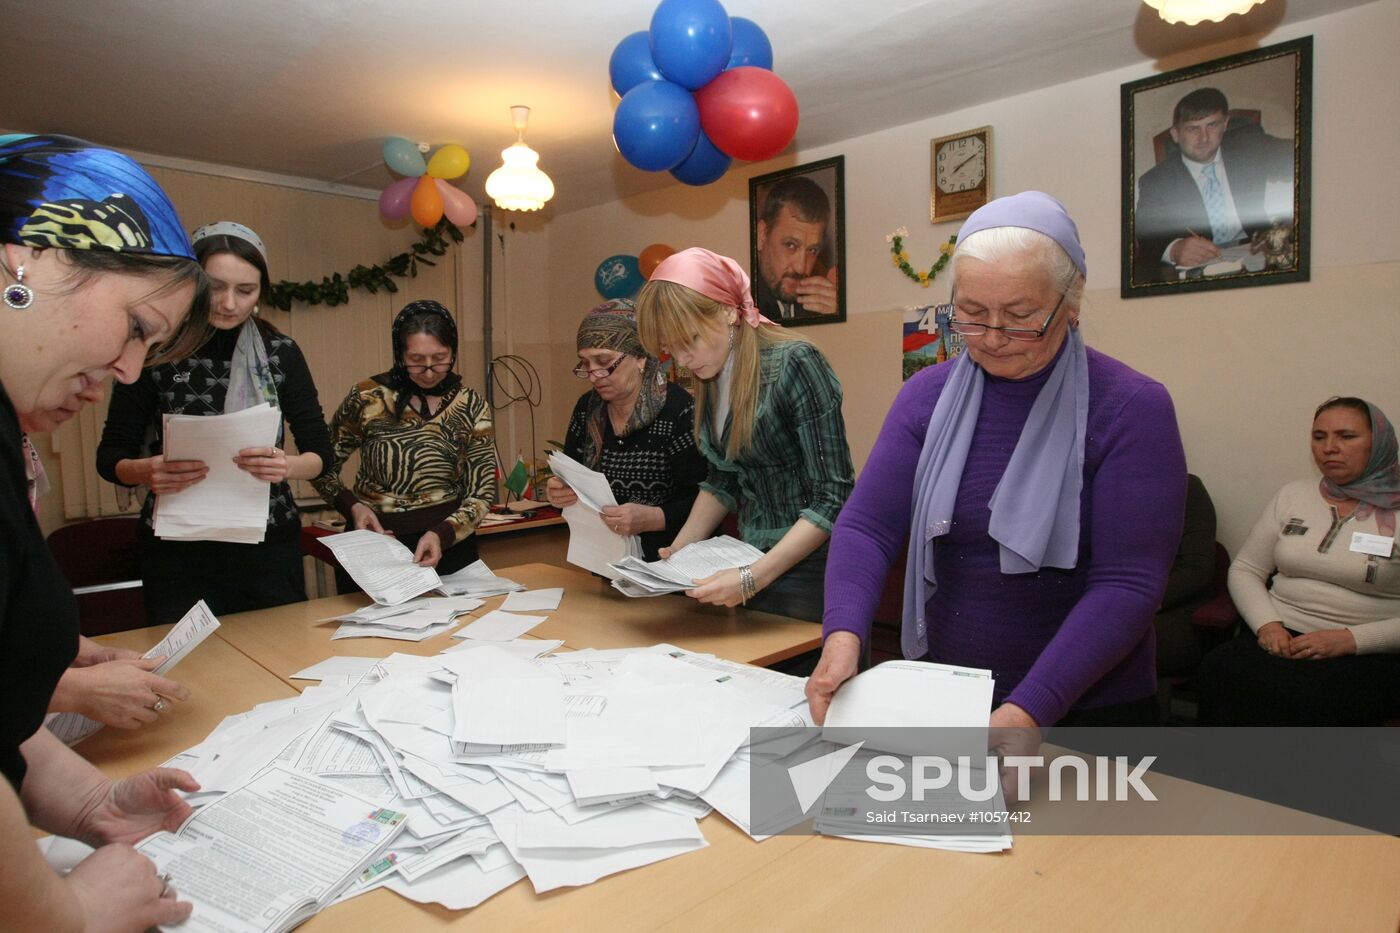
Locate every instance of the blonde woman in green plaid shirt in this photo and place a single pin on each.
(768, 420)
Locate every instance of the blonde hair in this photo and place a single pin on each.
(670, 315)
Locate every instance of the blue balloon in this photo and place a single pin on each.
(403, 157)
(618, 277)
(751, 45)
(656, 125)
(690, 41)
(705, 163)
(631, 64)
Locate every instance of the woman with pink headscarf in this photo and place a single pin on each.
(768, 420)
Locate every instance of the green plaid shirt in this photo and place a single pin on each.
(798, 464)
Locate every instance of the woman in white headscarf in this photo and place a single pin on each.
(244, 362)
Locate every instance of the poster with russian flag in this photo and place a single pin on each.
(928, 339)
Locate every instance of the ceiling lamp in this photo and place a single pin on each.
(519, 185)
(1192, 12)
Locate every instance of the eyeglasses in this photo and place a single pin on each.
(972, 329)
(418, 369)
(583, 372)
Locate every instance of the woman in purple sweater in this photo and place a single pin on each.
(1044, 483)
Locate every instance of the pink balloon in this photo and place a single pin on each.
(456, 204)
(395, 200)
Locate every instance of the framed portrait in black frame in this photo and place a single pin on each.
(797, 243)
(1216, 169)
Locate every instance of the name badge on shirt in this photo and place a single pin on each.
(1378, 545)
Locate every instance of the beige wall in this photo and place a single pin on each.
(1246, 367)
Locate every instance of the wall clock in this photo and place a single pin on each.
(961, 174)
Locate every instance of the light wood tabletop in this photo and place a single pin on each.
(592, 614)
(1104, 882)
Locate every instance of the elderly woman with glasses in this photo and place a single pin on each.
(427, 449)
(635, 428)
(1040, 486)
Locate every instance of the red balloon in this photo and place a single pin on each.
(748, 113)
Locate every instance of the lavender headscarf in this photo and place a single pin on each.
(1035, 508)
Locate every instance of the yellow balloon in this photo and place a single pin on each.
(450, 161)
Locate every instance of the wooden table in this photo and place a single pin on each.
(1143, 883)
(288, 638)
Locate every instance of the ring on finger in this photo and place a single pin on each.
(165, 888)
(159, 705)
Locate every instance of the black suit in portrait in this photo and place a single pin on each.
(1170, 205)
(769, 307)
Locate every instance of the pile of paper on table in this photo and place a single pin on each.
(562, 769)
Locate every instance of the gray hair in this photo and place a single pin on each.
(1002, 244)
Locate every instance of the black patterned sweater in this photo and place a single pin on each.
(658, 465)
(197, 386)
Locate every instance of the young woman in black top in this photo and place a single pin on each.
(245, 362)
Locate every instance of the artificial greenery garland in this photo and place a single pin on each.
(335, 289)
(901, 259)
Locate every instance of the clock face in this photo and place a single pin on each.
(961, 164)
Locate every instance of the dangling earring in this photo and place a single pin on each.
(19, 296)
(255, 310)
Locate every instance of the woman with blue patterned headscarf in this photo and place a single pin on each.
(97, 274)
(245, 362)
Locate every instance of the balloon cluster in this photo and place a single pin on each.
(622, 276)
(424, 191)
(698, 91)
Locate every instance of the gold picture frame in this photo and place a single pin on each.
(960, 174)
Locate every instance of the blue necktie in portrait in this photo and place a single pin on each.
(1215, 203)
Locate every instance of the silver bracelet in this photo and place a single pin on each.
(747, 588)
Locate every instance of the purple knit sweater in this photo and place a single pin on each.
(1058, 639)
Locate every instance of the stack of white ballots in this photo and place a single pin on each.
(893, 707)
(229, 504)
(636, 577)
(476, 579)
(415, 620)
(562, 769)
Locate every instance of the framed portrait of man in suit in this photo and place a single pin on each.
(1216, 170)
(797, 243)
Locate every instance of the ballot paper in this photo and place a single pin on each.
(381, 566)
(894, 697)
(500, 625)
(476, 579)
(592, 544)
(269, 855)
(229, 504)
(195, 626)
(520, 648)
(636, 577)
(546, 600)
(337, 666)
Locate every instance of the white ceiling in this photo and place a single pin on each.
(311, 88)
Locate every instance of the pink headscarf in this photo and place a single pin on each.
(713, 276)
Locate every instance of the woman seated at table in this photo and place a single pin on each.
(427, 457)
(245, 362)
(768, 420)
(96, 272)
(635, 428)
(1046, 485)
(1324, 641)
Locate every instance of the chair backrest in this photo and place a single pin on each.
(99, 559)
